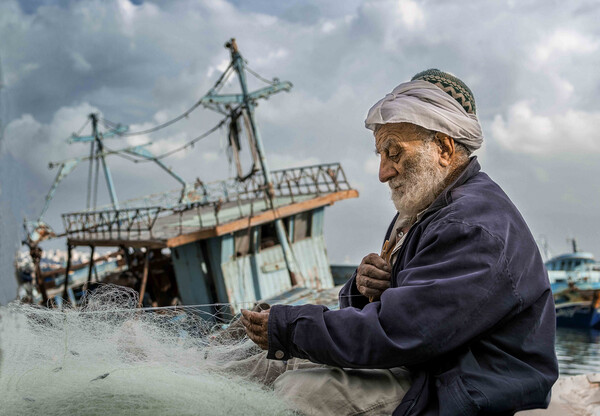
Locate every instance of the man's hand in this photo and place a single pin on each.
(256, 325)
(373, 276)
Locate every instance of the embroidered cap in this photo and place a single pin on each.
(452, 85)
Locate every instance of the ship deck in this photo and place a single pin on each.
(234, 206)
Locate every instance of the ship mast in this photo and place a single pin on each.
(248, 104)
(100, 153)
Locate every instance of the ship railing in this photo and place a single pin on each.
(122, 223)
(130, 221)
(316, 179)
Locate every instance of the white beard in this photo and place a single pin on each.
(421, 183)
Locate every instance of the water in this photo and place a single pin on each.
(578, 351)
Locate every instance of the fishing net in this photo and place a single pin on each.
(108, 357)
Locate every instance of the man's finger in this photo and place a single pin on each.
(256, 339)
(246, 313)
(373, 272)
(245, 321)
(249, 322)
(261, 341)
(377, 261)
(257, 328)
(376, 284)
(256, 317)
(254, 326)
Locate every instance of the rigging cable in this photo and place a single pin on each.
(170, 152)
(217, 86)
(263, 79)
(191, 142)
(87, 121)
(118, 153)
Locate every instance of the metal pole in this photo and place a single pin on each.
(36, 255)
(166, 169)
(288, 255)
(170, 172)
(144, 277)
(107, 175)
(91, 168)
(238, 65)
(91, 267)
(67, 270)
(96, 176)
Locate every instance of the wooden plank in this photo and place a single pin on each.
(117, 243)
(262, 218)
(594, 378)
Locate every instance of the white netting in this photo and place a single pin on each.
(109, 358)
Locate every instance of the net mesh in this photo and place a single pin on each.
(110, 358)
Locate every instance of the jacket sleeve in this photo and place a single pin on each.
(455, 288)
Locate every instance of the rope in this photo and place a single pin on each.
(170, 152)
(82, 127)
(272, 82)
(112, 125)
(155, 128)
(186, 113)
(188, 144)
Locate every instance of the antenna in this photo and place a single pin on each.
(573, 244)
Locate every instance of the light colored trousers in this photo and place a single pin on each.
(315, 389)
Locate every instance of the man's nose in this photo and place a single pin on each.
(386, 169)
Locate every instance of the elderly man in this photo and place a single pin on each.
(457, 305)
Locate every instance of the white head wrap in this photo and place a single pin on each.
(426, 105)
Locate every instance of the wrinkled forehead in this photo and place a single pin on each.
(398, 132)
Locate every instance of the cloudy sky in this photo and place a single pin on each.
(532, 66)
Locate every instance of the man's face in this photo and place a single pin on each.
(410, 166)
(396, 144)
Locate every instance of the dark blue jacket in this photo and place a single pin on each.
(469, 311)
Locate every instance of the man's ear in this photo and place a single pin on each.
(447, 148)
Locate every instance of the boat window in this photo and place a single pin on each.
(268, 234)
(302, 225)
(242, 241)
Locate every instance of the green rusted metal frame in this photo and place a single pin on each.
(295, 182)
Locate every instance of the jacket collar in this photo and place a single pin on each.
(445, 197)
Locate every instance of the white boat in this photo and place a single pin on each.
(575, 281)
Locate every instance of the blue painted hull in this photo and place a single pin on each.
(577, 315)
